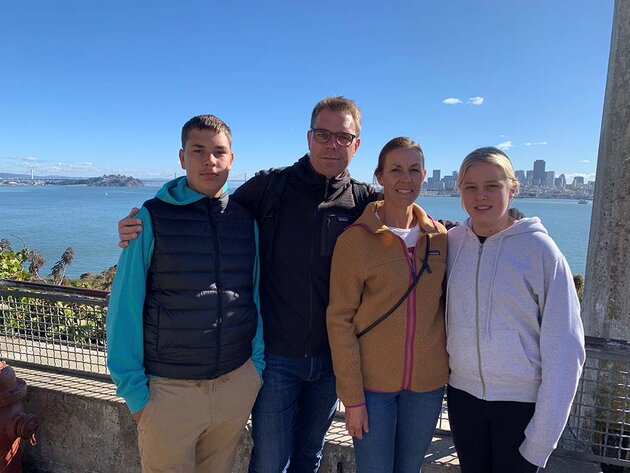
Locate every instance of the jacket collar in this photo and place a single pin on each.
(216, 204)
(307, 175)
(369, 220)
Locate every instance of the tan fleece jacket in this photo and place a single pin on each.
(371, 270)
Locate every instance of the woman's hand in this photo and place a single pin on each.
(357, 421)
(128, 228)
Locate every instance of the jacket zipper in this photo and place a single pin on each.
(410, 321)
(411, 314)
(478, 323)
(217, 272)
(309, 321)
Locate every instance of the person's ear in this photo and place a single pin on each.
(378, 179)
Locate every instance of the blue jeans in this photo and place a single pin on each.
(294, 409)
(401, 428)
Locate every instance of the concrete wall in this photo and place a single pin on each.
(606, 309)
(85, 428)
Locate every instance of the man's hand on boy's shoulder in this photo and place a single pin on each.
(128, 228)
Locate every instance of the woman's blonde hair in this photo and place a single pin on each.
(489, 155)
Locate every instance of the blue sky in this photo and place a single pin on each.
(88, 88)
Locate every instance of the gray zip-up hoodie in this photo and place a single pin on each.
(514, 331)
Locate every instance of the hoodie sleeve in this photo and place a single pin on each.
(258, 344)
(562, 357)
(125, 339)
(346, 288)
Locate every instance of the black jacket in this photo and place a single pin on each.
(199, 312)
(296, 247)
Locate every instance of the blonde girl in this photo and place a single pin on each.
(514, 335)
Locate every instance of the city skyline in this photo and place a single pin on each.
(244, 176)
(529, 177)
(94, 89)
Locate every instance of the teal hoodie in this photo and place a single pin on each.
(125, 339)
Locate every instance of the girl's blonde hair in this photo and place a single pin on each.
(489, 155)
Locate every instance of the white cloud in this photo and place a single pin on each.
(452, 101)
(475, 100)
(587, 177)
(76, 166)
(505, 145)
(535, 143)
(29, 163)
(585, 161)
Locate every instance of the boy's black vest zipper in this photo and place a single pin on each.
(217, 272)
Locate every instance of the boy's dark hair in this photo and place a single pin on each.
(205, 122)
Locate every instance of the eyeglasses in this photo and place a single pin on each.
(341, 138)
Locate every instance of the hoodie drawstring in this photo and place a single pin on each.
(448, 281)
(494, 275)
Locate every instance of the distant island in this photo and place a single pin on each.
(111, 180)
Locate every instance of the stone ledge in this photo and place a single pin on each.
(86, 428)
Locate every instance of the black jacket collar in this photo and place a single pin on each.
(307, 175)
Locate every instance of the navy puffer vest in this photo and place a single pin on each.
(199, 311)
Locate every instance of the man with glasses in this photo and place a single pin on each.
(300, 211)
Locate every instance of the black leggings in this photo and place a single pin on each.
(487, 434)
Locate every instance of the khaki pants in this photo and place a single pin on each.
(195, 425)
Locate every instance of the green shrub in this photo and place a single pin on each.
(12, 262)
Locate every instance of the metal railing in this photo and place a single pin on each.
(63, 329)
(599, 425)
(53, 327)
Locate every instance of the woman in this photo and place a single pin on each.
(391, 369)
(515, 339)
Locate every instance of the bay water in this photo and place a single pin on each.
(53, 218)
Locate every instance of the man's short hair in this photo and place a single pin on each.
(338, 104)
(205, 122)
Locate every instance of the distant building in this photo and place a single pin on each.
(520, 175)
(433, 182)
(578, 181)
(539, 172)
(561, 182)
(434, 185)
(529, 178)
(450, 182)
(549, 178)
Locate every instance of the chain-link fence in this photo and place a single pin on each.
(599, 425)
(53, 327)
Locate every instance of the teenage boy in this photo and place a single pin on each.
(301, 210)
(184, 338)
